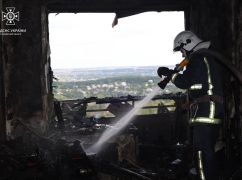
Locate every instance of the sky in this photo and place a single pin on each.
(87, 40)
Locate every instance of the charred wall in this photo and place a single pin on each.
(24, 65)
(2, 92)
(218, 21)
(22, 60)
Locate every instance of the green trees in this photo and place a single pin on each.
(110, 86)
(80, 83)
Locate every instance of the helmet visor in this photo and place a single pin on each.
(178, 48)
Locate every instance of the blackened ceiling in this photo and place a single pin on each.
(115, 5)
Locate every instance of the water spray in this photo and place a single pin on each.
(120, 124)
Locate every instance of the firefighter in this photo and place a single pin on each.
(203, 82)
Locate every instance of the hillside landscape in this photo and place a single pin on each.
(106, 82)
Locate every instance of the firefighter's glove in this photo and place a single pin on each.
(164, 71)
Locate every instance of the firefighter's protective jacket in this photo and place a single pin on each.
(201, 78)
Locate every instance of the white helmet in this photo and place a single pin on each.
(186, 40)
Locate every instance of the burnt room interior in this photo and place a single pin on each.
(36, 141)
